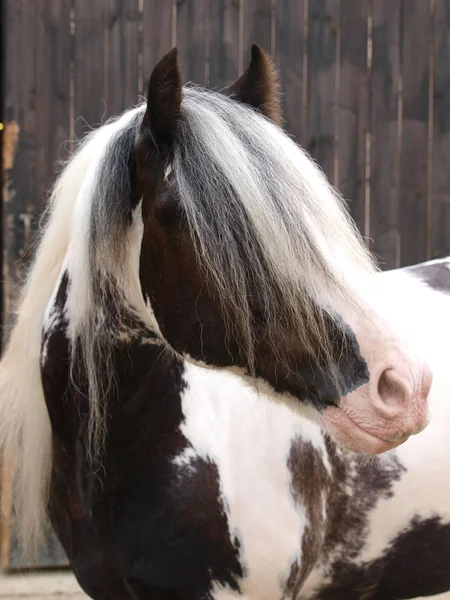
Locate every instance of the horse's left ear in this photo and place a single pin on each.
(259, 86)
(164, 100)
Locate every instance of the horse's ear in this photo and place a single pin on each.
(164, 100)
(259, 86)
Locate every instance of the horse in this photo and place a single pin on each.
(210, 388)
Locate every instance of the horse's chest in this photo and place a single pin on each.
(273, 479)
(206, 490)
(225, 500)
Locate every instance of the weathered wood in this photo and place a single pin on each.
(20, 209)
(441, 132)
(225, 42)
(385, 131)
(322, 40)
(91, 84)
(52, 92)
(14, 21)
(259, 26)
(21, 205)
(192, 39)
(414, 161)
(122, 32)
(53, 46)
(291, 57)
(158, 34)
(353, 108)
(2, 178)
(37, 131)
(6, 513)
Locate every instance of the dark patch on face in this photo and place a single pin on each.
(137, 526)
(310, 487)
(353, 371)
(311, 382)
(437, 276)
(416, 564)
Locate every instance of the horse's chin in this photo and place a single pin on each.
(348, 434)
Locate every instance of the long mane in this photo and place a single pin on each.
(245, 187)
(263, 216)
(25, 432)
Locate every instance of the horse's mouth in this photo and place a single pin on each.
(347, 433)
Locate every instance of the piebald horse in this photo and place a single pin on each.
(205, 363)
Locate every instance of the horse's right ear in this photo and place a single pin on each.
(259, 86)
(164, 101)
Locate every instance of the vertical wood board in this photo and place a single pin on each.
(385, 133)
(323, 24)
(415, 24)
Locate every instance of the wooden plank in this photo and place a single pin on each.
(259, 26)
(20, 209)
(158, 34)
(38, 126)
(53, 107)
(91, 84)
(290, 57)
(225, 42)
(19, 205)
(123, 31)
(53, 57)
(6, 513)
(322, 43)
(2, 127)
(353, 108)
(192, 39)
(441, 132)
(385, 128)
(414, 160)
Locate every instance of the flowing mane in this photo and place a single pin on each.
(243, 183)
(273, 213)
(25, 433)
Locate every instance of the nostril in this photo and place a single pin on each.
(392, 390)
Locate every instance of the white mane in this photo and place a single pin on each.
(25, 434)
(256, 203)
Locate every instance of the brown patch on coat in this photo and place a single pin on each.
(358, 485)
(333, 541)
(310, 486)
(414, 564)
(368, 481)
(437, 276)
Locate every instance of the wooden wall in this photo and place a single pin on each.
(366, 91)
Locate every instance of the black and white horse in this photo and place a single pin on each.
(205, 355)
